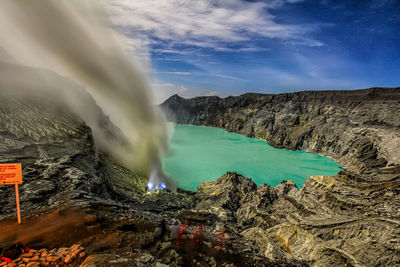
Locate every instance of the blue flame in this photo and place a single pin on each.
(156, 180)
(163, 185)
(150, 185)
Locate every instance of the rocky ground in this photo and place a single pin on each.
(74, 193)
(72, 256)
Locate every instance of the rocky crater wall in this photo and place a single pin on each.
(360, 129)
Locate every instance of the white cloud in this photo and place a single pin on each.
(205, 23)
(314, 73)
(173, 72)
(167, 26)
(227, 77)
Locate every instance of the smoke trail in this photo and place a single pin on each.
(75, 39)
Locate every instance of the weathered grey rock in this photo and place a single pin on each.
(226, 192)
(38, 189)
(285, 188)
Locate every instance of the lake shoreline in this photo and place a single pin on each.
(197, 150)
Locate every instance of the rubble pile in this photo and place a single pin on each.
(56, 257)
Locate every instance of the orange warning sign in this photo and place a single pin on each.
(10, 173)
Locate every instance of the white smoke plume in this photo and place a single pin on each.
(75, 39)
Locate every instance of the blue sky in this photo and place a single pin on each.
(229, 47)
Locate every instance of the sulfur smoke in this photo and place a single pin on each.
(75, 39)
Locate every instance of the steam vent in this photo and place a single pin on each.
(130, 134)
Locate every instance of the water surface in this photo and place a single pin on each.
(199, 154)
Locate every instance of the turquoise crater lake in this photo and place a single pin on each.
(198, 154)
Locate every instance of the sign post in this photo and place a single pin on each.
(12, 174)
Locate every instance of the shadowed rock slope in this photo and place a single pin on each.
(61, 164)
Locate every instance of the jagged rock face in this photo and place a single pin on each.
(353, 217)
(339, 220)
(227, 192)
(234, 197)
(359, 129)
